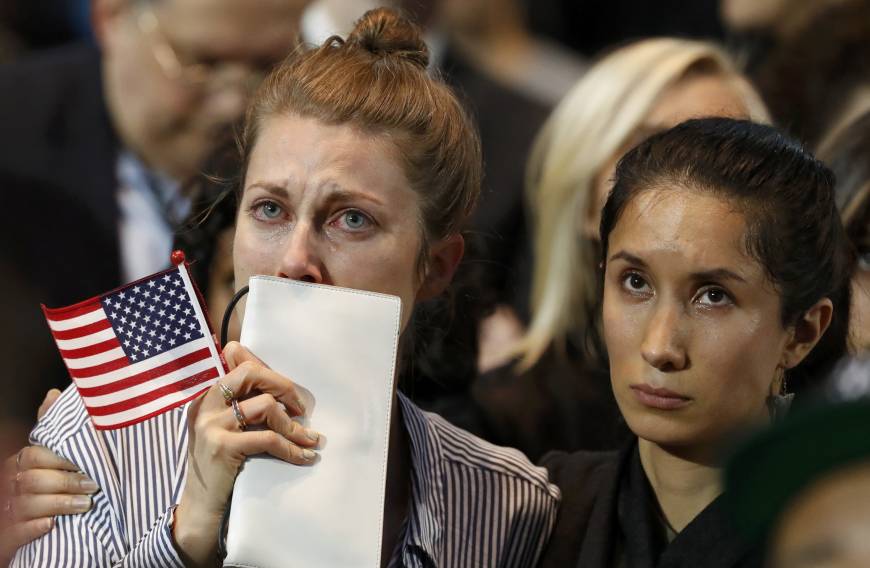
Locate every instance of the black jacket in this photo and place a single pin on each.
(59, 219)
(608, 510)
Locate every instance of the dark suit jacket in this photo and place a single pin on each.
(508, 123)
(59, 217)
(609, 510)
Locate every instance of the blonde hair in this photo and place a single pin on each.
(593, 122)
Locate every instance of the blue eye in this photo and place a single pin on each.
(270, 209)
(354, 220)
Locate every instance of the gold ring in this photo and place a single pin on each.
(240, 418)
(228, 393)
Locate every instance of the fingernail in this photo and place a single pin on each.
(299, 406)
(46, 524)
(81, 503)
(308, 454)
(312, 435)
(88, 486)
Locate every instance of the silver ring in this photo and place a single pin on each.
(240, 418)
(228, 393)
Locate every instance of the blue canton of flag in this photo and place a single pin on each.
(152, 317)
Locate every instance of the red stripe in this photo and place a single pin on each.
(94, 349)
(145, 376)
(74, 311)
(101, 369)
(82, 331)
(152, 414)
(147, 397)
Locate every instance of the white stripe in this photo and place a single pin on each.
(200, 316)
(153, 406)
(86, 341)
(143, 366)
(148, 386)
(78, 321)
(92, 360)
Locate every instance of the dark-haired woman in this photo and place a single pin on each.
(344, 184)
(726, 279)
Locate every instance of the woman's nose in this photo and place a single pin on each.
(663, 343)
(301, 260)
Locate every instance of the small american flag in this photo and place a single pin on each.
(138, 351)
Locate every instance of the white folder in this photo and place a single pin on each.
(339, 347)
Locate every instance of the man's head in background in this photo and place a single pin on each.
(175, 72)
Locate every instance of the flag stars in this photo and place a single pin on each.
(187, 336)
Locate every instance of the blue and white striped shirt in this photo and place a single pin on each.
(472, 503)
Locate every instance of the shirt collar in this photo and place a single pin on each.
(164, 191)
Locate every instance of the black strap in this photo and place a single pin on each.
(228, 313)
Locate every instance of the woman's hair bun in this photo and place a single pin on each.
(384, 32)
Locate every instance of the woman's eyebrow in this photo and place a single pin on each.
(718, 274)
(336, 193)
(273, 188)
(629, 258)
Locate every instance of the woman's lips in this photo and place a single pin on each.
(662, 399)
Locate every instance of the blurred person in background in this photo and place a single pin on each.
(847, 151)
(726, 284)
(816, 70)
(100, 139)
(557, 395)
(803, 485)
(494, 35)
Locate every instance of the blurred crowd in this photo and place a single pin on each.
(120, 147)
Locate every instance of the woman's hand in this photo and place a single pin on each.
(218, 446)
(38, 485)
